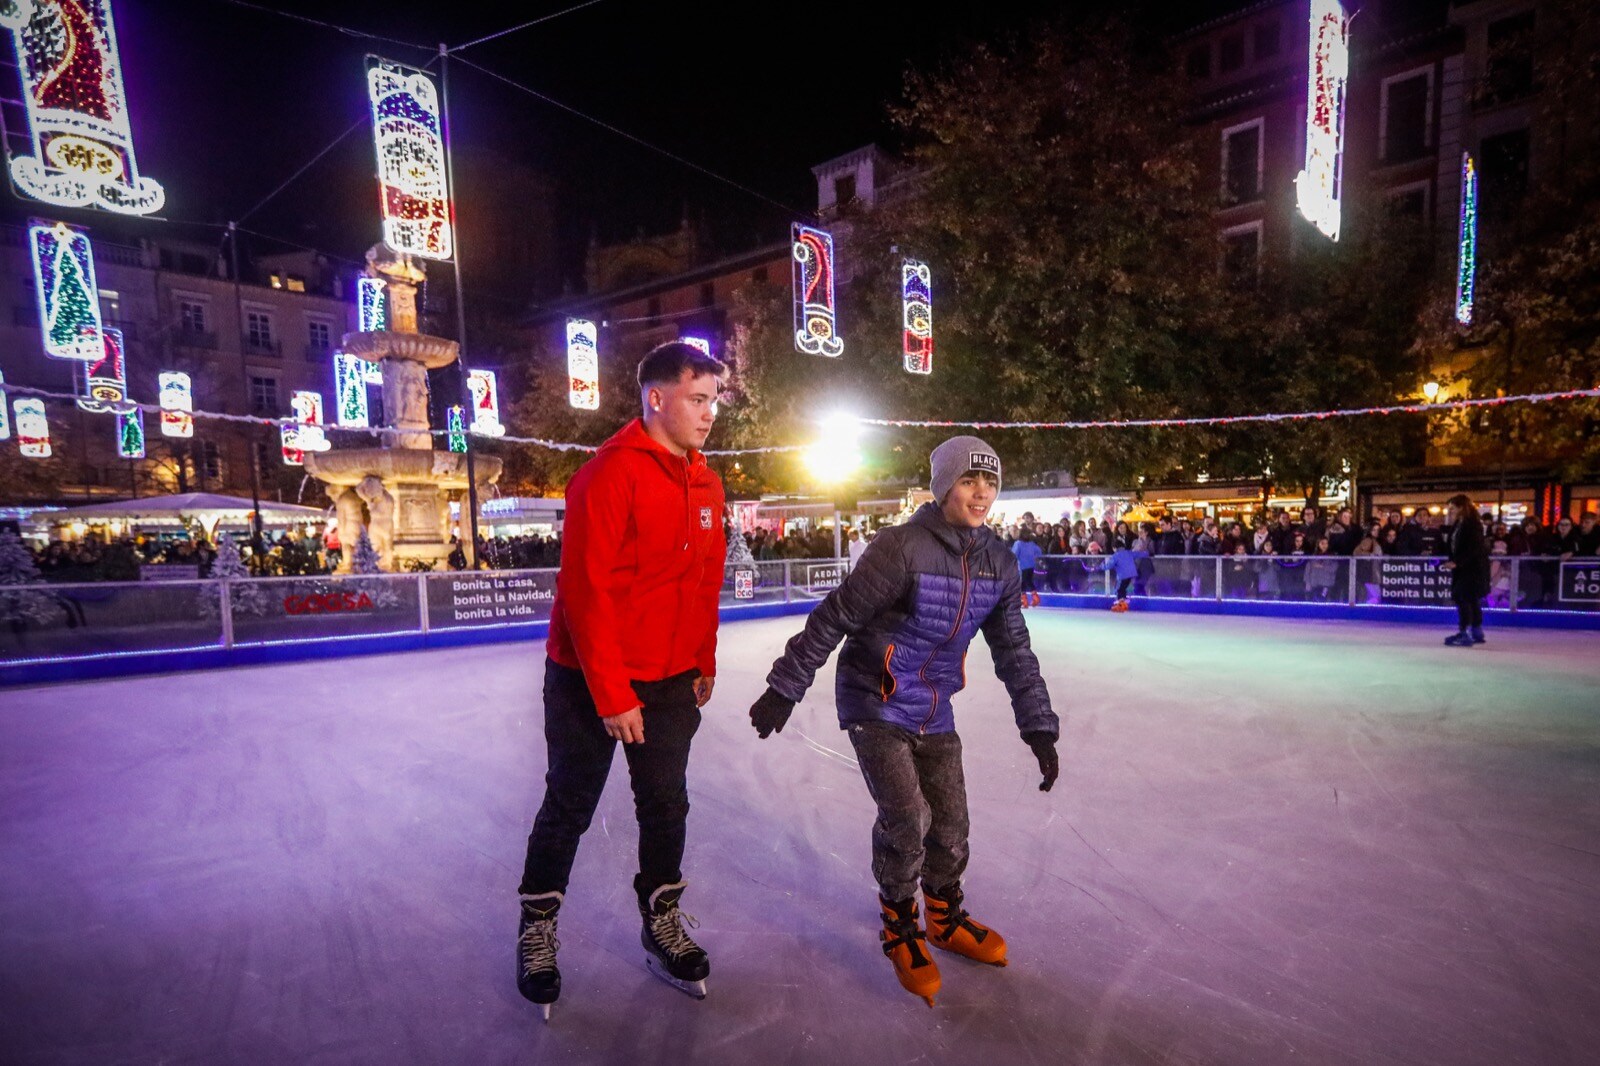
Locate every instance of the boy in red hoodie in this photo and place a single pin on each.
(631, 657)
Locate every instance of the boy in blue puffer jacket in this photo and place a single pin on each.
(906, 614)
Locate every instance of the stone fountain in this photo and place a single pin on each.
(400, 491)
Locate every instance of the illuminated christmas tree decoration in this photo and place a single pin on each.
(697, 342)
(350, 389)
(103, 384)
(485, 403)
(411, 174)
(1317, 187)
(130, 434)
(33, 428)
(5, 411)
(82, 146)
(177, 401)
(814, 312)
(306, 435)
(1467, 263)
(455, 423)
(69, 299)
(372, 305)
(916, 301)
(583, 364)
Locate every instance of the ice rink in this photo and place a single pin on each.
(1274, 842)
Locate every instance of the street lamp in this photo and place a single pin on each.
(834, 460)
(1430, 391)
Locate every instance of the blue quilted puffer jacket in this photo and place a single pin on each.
(906, 614)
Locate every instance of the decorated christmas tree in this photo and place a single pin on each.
(365, 562)
(244, 594)
(73, 311)
(738, 551)
(19, 605)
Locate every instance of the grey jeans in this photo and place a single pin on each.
(921, 792)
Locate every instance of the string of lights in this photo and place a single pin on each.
(521, 26)
(608, 127)
(1229, 420)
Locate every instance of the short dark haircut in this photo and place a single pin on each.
(665, 364)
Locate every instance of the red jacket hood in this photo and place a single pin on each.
(633, 436)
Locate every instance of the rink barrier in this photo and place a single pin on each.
(52, 633)
(67, 632)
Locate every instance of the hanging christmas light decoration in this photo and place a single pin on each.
(130, 434)
(456, 429)
(583, 364)
(33, 428)
(916, 301)
(700, 343)
(1467, 263)
(350, 389)
(69, 298)
(5, 411)
(104, 383)
(82, 146)
(305, 435)
(372, 304)
(815, 330)
(177, 401)
(1317, 187)
(411, 173)
(485, 403)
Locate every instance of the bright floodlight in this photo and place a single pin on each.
(837, 453)
(1431, 391)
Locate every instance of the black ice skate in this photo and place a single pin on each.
(537, 977)
(670, 954)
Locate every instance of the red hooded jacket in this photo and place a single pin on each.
(641, 568)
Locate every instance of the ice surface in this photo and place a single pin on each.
(1274, 842)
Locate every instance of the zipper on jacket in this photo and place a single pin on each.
(961, 609)
(887, 686)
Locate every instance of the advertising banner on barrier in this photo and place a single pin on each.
(1580, 582)
(824, 578)
(486, 599)
(1413, 582)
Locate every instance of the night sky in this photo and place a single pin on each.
(227, 102)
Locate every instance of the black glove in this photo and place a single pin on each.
(1044, 749)
(770, 712)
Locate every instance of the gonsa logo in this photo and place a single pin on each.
(327, 603)
(705, 518)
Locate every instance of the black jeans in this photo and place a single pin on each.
(921, 791)
(580, 760)
(1469, 610)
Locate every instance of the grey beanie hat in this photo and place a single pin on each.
(955, 457)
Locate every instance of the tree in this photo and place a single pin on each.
(19, 604)
(244, 595)
(364, 562)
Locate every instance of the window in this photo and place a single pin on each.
(1241, 254)
(1198, 64)
(1404, 122)
(1268, 40)
(319, 336)
(210, 461)
(1510, 70)
(295, 283)
(1408, 201)
(1232, 52)
(1504, 174)
(191, 316)
(110, 304)
(844, 189)
(263, 395)
(258, 329)
(1241, 163)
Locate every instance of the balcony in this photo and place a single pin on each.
(195, 338)
(318, 353)
(262, 349)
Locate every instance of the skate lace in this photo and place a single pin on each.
(667, 930)
(539, 945)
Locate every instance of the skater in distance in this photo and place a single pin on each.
(631, 658)
(906, 615)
